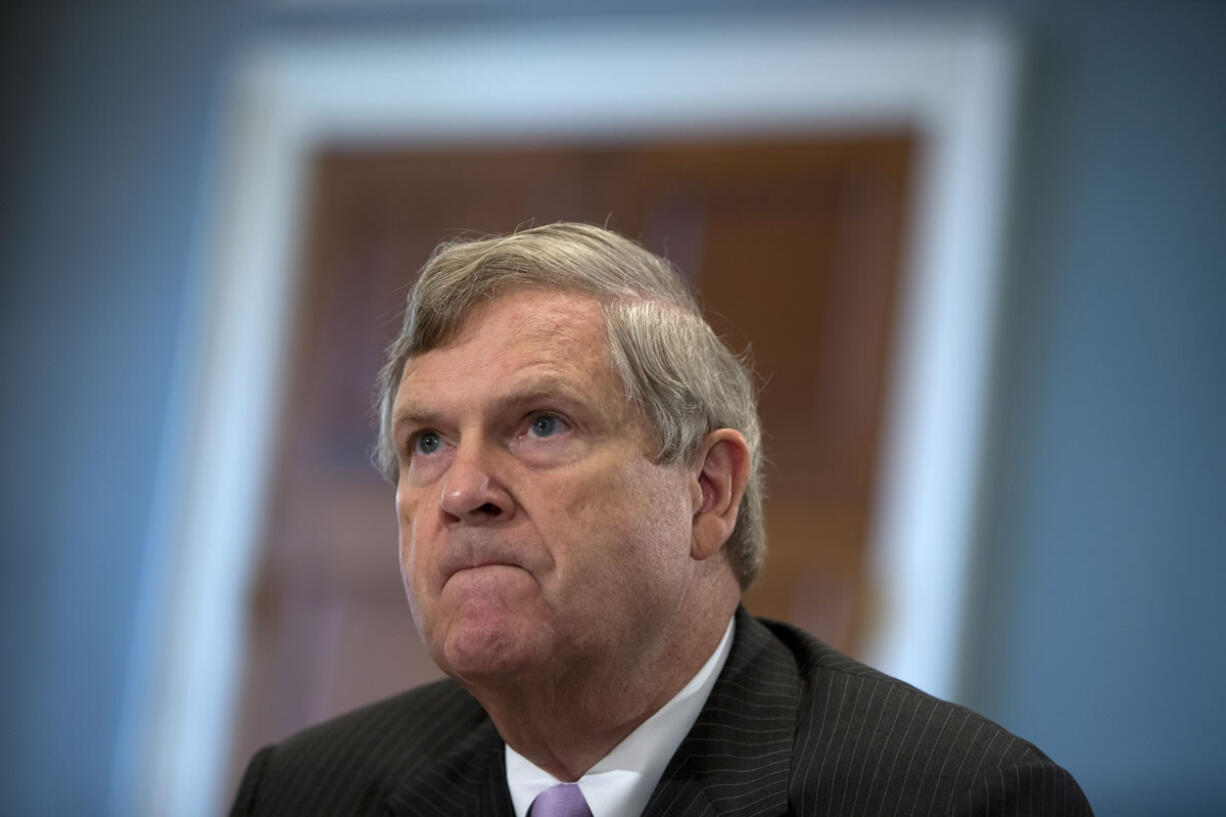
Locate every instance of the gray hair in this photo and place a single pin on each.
(673, 365)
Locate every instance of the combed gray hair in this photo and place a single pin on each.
(673, 365)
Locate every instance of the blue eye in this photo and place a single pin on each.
(427, 442)
(547, 425)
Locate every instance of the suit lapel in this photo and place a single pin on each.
(468, 780)
(737, 758)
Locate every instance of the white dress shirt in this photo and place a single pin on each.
(620, 784)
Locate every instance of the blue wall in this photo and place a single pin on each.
(106, 116)
(1097, 630)
(1103, 630)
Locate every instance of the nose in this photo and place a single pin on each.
(472, 494)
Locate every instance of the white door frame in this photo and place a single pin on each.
(952, 83)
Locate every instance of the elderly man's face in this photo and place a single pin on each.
(536, 532)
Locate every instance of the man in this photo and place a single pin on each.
(577, 460)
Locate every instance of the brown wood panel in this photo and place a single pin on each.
(794, 244)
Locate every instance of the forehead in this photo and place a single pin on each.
(545, 335)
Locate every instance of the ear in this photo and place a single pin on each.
(721, 472)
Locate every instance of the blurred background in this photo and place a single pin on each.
(1090, 618)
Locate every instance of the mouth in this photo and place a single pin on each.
(478, 555)
(487, 561)
(484, 566)
(486, 580)
(488, 567)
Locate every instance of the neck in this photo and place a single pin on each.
(565, 722)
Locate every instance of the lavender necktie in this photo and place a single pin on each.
(563, 800)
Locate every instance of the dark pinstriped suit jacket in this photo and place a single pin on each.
(791, 727)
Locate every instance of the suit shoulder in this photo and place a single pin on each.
(870, 741)
(835, 679)
(415, 712)
(357, 757)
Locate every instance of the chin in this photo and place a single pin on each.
(488, 623)
(486, 645)
(474, 655)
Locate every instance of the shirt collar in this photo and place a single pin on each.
(620, 784)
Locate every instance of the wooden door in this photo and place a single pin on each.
(794, 245)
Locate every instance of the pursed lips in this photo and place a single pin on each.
(473, 556)
(481, 565)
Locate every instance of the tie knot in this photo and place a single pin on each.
(563, 800)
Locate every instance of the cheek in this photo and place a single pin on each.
(411, 540)
(632, 521)
(414, 576)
